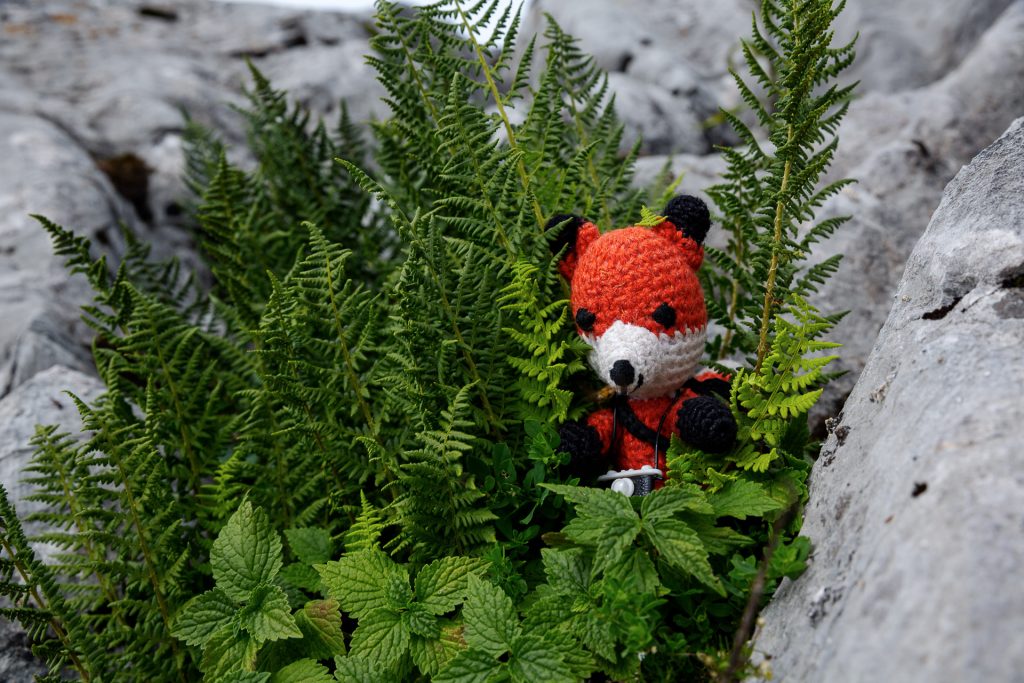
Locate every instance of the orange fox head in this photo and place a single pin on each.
(636, 298)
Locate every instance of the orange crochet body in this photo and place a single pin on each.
(629, 452)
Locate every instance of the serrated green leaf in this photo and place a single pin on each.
(267, 616)
(742, 498)
(441, 585)
(320, 623)
(243, 677)
(397, 593)
(717, 540)
(432, 655)
(301, 576)
(310, 544)
(380, 637)
(490, 618)
(303, 671)
(419, 622)
(681, 548)
(567, 571)
(635, 569)
(358, 580)
(203, 616)
(670, 500)
(605, 520)
(247, 553)
(533, 659)
(360, 670)
(469, 666)
(226, 651)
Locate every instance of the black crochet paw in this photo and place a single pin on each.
(707, 423)
(583, 445)
(690, 216)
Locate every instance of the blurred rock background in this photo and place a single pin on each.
(93, 95)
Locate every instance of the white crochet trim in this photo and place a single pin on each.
(663, 361)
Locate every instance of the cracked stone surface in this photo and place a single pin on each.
(916, 507)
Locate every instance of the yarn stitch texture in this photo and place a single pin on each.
(638, 303)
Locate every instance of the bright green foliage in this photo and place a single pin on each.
(377, 370)
(769, 195)
(246, 608)
(549, 357)
(499, 647)
(400, 626)
(773, 400)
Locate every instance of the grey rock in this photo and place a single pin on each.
(17, 664)
(912, 43)
(45, 172)
(39, 400)
(915, 513)
(91, 133)
(118, 77)
(663, 123)
(668, 62)
(903, 149)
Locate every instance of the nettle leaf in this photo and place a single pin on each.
(535, 659)
(681, 548)
(666, 502)
(267, 615)
(742, 498)
(320, 623)
(490, 618)
(380, 637)
(358, 580)
(397, 593)
(245, 677)
(567, 571)
(432, 654)
(470, 666)
(303, 671)
(605, 519)
(226, 651)
(360, 670)
(203, 616)
(311, 545)
(636, 569)
(301, 576)
(441, 585)
(421, 622)
(246, 554)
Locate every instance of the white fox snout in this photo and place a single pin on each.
(645, 364)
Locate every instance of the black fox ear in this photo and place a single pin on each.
(576, 233)
(690, 216)
(567, 234)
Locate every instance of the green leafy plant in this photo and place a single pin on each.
(377, 370)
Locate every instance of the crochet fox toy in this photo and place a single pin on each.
(638, 303)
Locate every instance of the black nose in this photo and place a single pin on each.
(622, 373)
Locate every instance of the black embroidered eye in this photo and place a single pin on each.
(664, 315)
(585, 319)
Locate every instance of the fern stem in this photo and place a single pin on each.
(43, 605)
(186, 445)
(769, 288)
(733, 298)
(606, 213)
(147, 556)
(493, 87)
(346, 354)
(90, 549)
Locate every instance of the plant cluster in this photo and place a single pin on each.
(377, 373)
